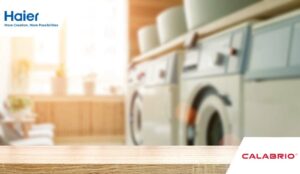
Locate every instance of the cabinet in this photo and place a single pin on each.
(82, 116)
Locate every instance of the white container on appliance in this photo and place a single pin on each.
(171, 24)
(201, 12)
(147, 38)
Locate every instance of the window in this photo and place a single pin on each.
(45, 61)
(95, 46)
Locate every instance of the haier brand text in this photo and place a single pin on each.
(20, 16)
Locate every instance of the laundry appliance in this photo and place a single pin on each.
(160, 100)
(136, 79)
(211, 88)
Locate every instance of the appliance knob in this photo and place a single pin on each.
(219, 59)
(162, 74)
(141, 75)
(233, 51)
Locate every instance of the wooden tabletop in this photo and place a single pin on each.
(115, 159)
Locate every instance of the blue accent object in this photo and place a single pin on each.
(270, 49)
(295, 47)
(275, 51)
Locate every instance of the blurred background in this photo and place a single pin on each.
(87, 83)
(73, 76)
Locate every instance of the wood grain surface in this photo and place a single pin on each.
(82, 116)
(115, 160)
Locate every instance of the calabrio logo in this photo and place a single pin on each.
(269, 156)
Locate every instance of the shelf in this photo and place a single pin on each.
(74, 98)
(115, 159)
(261, 10)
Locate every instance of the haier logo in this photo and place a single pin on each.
(23, 16)
(271, 156)
(21, 19)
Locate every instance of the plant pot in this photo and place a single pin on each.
(113, 90)
(19, 115)
(89, 88)
(59, 86)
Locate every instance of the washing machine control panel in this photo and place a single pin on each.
(163, 71)
(137, 74)
(191, 60)
(132, 75)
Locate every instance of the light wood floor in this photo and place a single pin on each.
(91, 140)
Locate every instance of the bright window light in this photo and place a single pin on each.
(96, 40)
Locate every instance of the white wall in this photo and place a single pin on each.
(5, 67)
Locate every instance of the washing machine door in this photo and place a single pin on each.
(135, 122)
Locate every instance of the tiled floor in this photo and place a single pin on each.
(90, 140)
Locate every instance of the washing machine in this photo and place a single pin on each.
(135, 81)
(161, 100)
(211, 88)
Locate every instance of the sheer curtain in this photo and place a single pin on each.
(96, 45)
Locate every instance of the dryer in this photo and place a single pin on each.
(211, 88)
(161, 100)
(136, 77)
